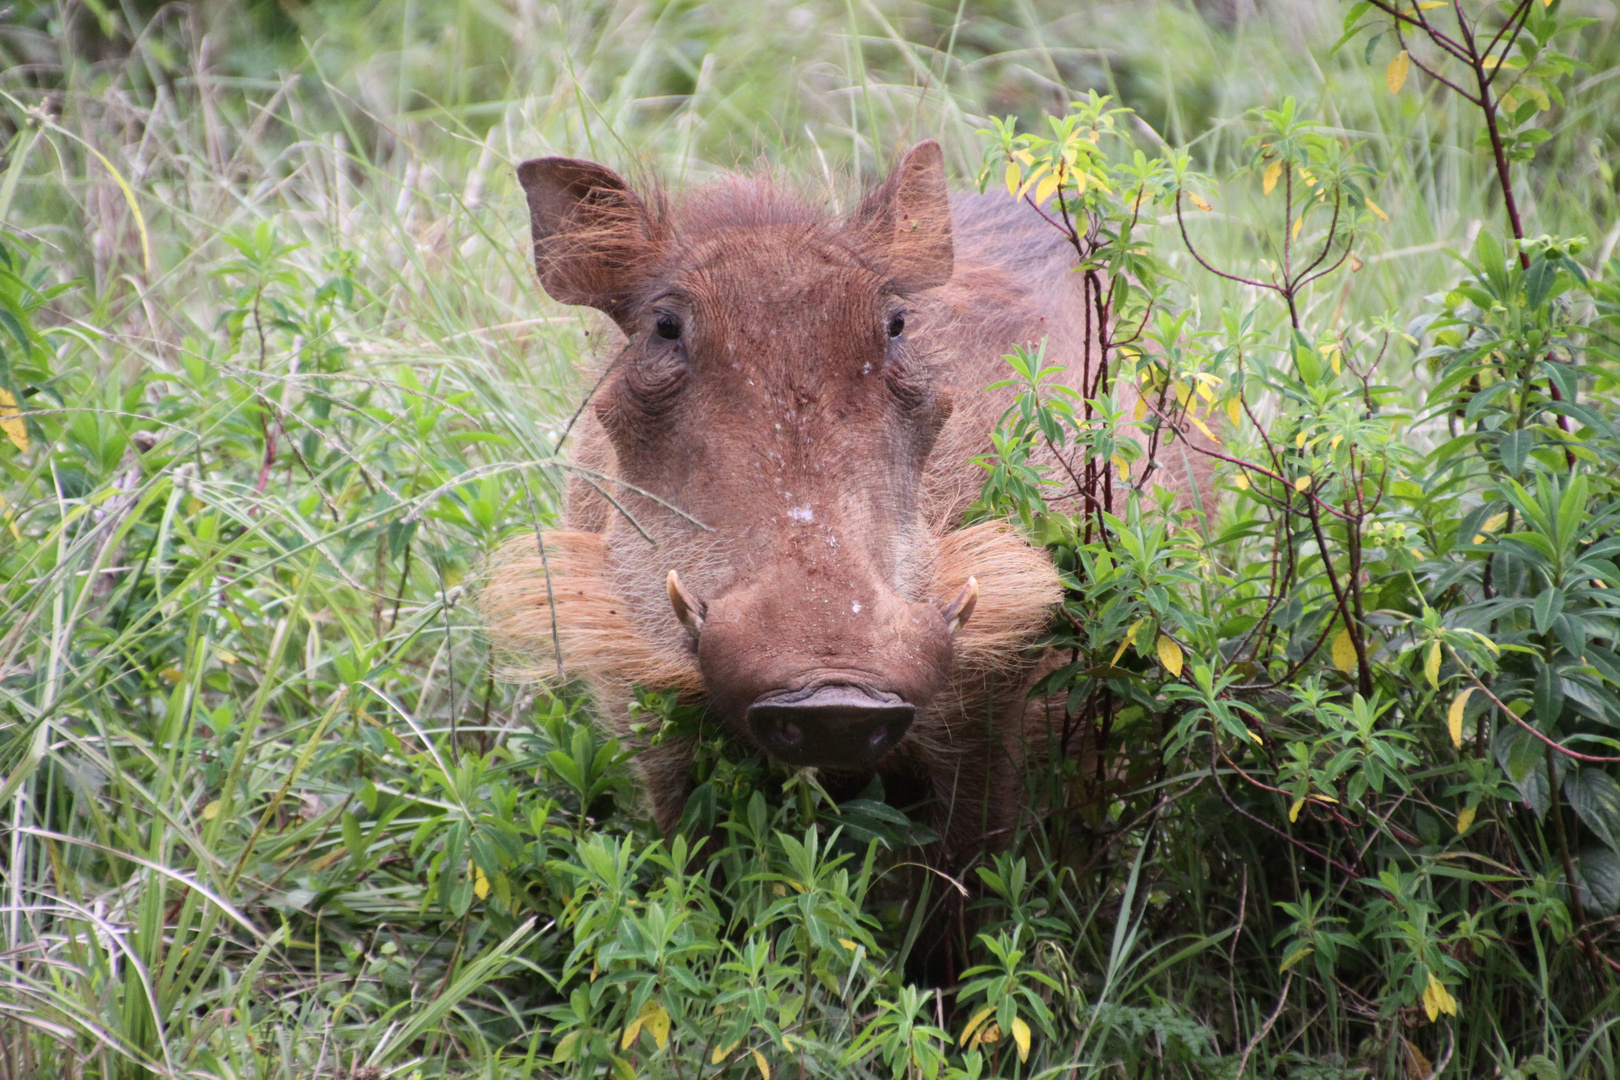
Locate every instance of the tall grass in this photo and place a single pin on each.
(267, 811)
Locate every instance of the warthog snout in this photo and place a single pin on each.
(831, 727)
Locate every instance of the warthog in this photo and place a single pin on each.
(772, 476)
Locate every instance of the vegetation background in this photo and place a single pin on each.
(276, 377)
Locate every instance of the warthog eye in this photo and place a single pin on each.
(669, 327)
(897, 326)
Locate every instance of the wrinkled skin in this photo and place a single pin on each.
(789, 427)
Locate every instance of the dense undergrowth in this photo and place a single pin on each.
(1341, 794)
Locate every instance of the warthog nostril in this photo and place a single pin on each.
(833, 727)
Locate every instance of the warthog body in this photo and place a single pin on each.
(790, 426)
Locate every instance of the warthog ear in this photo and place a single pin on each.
(909, 220)
(591, 232)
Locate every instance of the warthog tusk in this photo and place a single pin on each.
(688, 609)
(958, 611)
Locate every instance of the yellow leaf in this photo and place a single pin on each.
(172, 675)
(1344, 653)
(764, 1066)
(652, 1015)
(1430, 5)
(227, 657)
(1170, 656)
(1124, 468)
(991, 1033)
(1299, 953)
(480, 881)
(1494, 522)
(1021, 1037)
(1130, 636)
(1454, 717)
(1302, 482)
(1141, 408)
(1269, 180)
(1333, 443)
(11, 421)
(848, 944)
(1241, 481)
(1012, 178)
(1431, 665)
(658, 1024)
(1198, 201)
(973, 1025)
(1032, 179)
(1489, 62)
(1465, 818)
(1293, 811)
(1395, 74)
(1201, 426)
(1044, 189)
(722, 1052)
(1437, 999)
(1297, 223)
(1234, 411)
(1374, 207)
(1299, 440)
(211, 811)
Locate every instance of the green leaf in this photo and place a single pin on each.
(1598, 872)
(1595, 797)
(1523, 757)
(1549, 605)
(1548, 698)
(1513, 448)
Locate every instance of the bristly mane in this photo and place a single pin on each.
(744, 202)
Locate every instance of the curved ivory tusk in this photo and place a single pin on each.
(958, 611)
(688, 609)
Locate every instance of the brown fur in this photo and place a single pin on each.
(827, 466)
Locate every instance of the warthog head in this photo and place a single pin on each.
(770, 417)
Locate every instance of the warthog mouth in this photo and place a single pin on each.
(830, 727)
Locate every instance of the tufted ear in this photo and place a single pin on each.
(592, 234)
(909, 220)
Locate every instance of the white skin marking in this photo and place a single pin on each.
(801, 513)
(855, 608)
